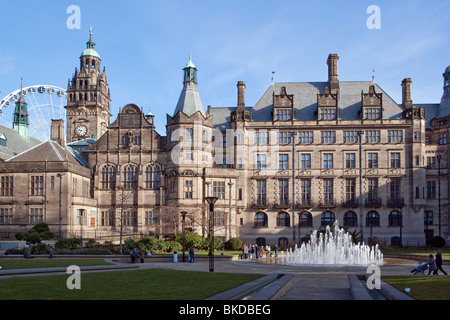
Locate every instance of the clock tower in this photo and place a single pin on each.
(88, 98)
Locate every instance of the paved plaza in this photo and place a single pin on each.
(309, 282)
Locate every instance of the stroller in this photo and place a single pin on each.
(420, 268)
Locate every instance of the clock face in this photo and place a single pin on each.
(81, 131)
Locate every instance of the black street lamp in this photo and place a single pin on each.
(211, 201)
(401, 226)
(183, 214)
(361, 208)
(439, 191)
(60, 204)
(293, 134)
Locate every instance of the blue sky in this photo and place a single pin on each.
(145, 44)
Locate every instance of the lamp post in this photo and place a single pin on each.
(293, 134)
(360, 133)
(60, 204)
(229, 216)
(439, 192)
(183, 214)
(401, 223)
(211, 201)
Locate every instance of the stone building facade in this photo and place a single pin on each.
(304, 155)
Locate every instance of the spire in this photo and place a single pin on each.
(189, 101)
(20, 122)
(90, 46)
(21, 99)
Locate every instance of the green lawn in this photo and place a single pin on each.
(421, 251)
(148, 284)
(422, 287)
(46, 263)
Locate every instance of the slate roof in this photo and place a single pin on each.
(50, 151)
(15, 144)
(305, 100)
(189, 101)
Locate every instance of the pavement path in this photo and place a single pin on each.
(309, 283)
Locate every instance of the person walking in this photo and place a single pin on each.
(276, 250)
(133, 255)
(439, 262)
(245, 252)
(432, 265)
(141, 255)
(50, 252)
(191, 255)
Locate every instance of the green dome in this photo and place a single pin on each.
(90, 52)
(90, 47)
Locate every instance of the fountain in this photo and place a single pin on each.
(334, 247)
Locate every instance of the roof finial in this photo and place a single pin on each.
(90, 31)
(273, 72)
(373, 75)
(21, 99)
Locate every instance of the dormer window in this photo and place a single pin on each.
(327, 105)
(283, 106)
(371, 105)
(327, 113)
(283, 114)
(372, 113)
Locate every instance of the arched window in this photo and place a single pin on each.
(283, 219)
(327, 218)
(108, 181)
(283, 242)
(350, 219)
(152, 177)
(260, 220)
(395, 241)
(261, 242)
(395, 219)
(372, 219)
(305, 219)
(130, 177)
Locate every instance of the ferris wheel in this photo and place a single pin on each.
(44, 104)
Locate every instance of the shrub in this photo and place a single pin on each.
(36, 234)
(40, 248)
(233, 244)
(68, 243)
(193, 240)
(437, 242)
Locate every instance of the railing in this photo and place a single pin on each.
(352, 203)
(304, 203)
(374, 202)
(396, 202)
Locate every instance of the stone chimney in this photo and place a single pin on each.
(406, 93)
(333, 77)
(241, 95)
(57, 132)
